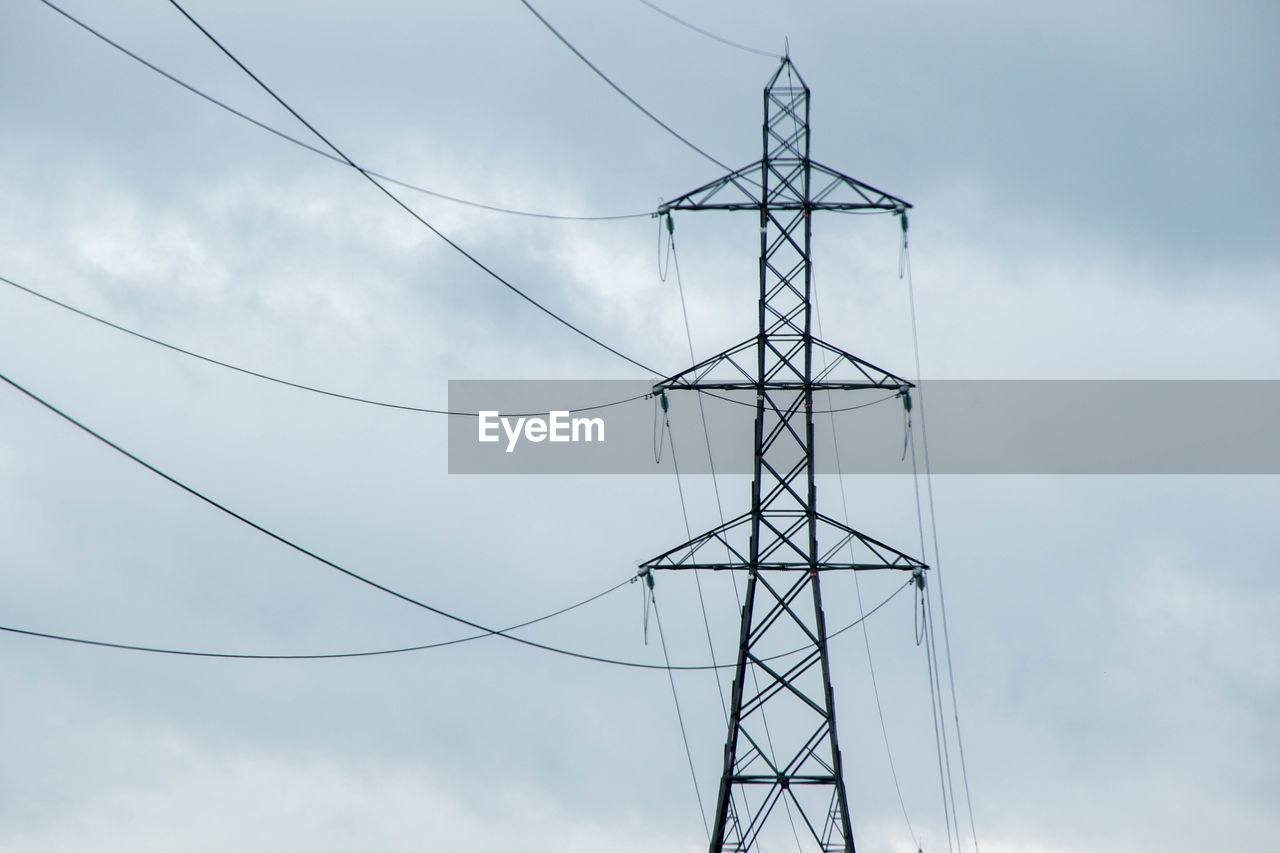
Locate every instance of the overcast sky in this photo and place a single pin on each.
(1095, 197)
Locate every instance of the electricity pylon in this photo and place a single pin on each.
(789, 543)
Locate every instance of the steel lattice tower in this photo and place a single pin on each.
(788, 543)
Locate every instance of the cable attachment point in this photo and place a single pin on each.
(905, 394)
(903, 249)
(664, 255)
(919, 616)
(659, 435)
(647, 594)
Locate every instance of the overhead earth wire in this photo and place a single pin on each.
(321, 152)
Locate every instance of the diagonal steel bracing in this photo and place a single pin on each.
(783, 542)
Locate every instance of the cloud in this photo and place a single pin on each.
(1093, 193)
(200, 800)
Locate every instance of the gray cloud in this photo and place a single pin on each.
(1093, 194)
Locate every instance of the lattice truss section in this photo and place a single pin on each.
(782, 770)
(782, 763)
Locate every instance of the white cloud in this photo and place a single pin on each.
(200, 800)
(1072, 222)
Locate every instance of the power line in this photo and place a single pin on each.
(702, 602)
(682, 22)
(715, 483)
(935, 678)
(857, 586)
(289, 543)
(368, 176)
(933, 523)
(925, 634)
(314, 150)
(234, 656)
(616, 87)
(684, 736)
(298, 385)
(295, 546)
(939, 728)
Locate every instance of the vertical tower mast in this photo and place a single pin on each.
(781, 747)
